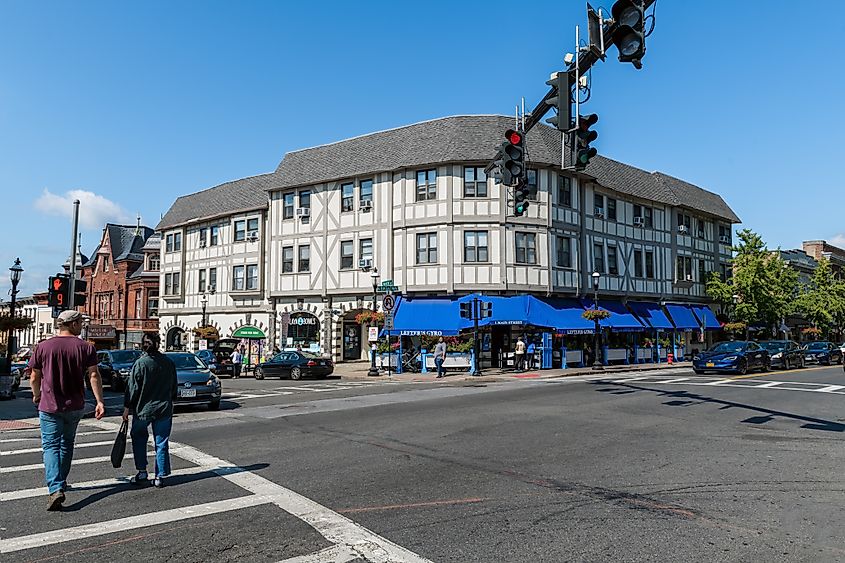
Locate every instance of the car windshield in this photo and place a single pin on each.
(723, 347)
(125, 356)
(186, 361)
(773, 346)
(817, 346)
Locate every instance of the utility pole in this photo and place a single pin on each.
(72, 271)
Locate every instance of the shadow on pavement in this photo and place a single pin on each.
(687, 399)
(169, 482)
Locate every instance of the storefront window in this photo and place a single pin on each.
(304, 328)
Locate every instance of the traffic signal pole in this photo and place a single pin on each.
(476, 349)
(72, 272)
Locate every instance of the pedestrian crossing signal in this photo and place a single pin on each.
(466, 310)
(58, 292)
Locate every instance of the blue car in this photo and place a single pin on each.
(739, 356)
(822, 353)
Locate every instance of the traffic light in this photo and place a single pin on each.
(466, 310)
(58, 292)
(486, 309)
(629, 36)
(583, 137)
(520, 197)
(79, 288)
(511, 157)
(561, 102)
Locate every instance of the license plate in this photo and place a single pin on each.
(810, 358)
(709, 364)
(187, 392)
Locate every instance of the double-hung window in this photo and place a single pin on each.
(347, 197)
(532, 183)
(611, 209)
(203, 239)
(638, 263)
(172, 283)
(287, 259)
(426, 248)
(598, 204)
(564, 252)
(347, 254)
(238, 278)
(240, 231)
(287, 206)
(367, 193)
(526, 248)
(612, 261)
(252, 276)
(201, 286)
(426, 185)
(304, 258)
(475, 181)
(649, 264)
(215, 236)
(598, 257)
(564, 191)
(212, 279)
(305, 199)
(684, 269)
(475, 246)
(252, 225)
(365, 248)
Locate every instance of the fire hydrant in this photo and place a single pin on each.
(670, 357)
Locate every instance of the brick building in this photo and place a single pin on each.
(122, 276)
(819, 249)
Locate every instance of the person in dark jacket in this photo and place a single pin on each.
(149, 397)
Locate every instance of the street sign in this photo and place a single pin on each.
(203, 344)
(388, 302)
(373, 334)
(387, 287)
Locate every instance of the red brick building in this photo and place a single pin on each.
(123, 286)
(819, 249)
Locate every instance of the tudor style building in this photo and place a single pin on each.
(294, 251)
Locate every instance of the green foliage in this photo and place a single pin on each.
(823, 301)
(764, 285)
(595, 314)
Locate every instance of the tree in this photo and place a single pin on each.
(762, 288)
(823, 301)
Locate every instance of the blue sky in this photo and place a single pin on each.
(128, 105)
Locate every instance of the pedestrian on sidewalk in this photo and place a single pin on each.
(237, 358)
(440, 357)
(530, 351)
(59, 367)
(149, 397)
(519, 355)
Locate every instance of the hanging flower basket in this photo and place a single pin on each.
(370, 318)
(811, 332)
(595, 314)
(735, 327)
(206, 333)
(8, 323)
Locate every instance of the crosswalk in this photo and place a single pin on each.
(733, 382)
(93, 491)
(306, 389)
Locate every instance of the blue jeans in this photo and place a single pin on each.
(161, 436)
(439, 363)
(58, 432)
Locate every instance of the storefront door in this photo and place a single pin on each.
(351, 342)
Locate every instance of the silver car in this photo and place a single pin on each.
(196, 383)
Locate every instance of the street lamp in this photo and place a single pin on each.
(597, 365)
(735, 299)
(374, 277)
(15, 276)
(204, 302)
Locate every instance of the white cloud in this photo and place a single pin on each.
(94, 210)
(838, 240)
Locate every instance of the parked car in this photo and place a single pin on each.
(19, 371)
(826, 353)
(197, 384)
(740, 356)
(784, 354)
(218, 357)
(294, 365)
(114, 366)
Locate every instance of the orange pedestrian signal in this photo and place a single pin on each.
(58, 291)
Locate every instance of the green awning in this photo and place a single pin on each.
(249, 332)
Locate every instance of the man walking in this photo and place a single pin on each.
(519, 355)
(237, 362)
(59, 367)
(440, 357)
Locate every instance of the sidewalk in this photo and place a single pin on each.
(358, 370)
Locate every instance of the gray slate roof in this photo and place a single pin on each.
(471, 138)
(124, 243)
(225, 199)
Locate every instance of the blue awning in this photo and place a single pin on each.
(563, 315)
(651, 314)
(506, 310)
(683, 317)
(620, 320)
(706, 317)
(426, 316)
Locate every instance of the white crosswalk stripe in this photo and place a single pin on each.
(351, 541)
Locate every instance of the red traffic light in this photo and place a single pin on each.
(57, 284)
(513, 137)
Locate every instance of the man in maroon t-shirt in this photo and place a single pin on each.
(59, 367)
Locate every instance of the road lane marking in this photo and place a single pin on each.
(830, 388)
(676, 380)
(38, 449)
(769, 384)
(333, 554)
(84, 460)
(78, 434)
(130, 523)
(717, 382)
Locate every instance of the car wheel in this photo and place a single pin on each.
(295, 373)
(698, 371)
(786, 365)
(258, 373)
(214, 405)
(742, 368)
(765, 367)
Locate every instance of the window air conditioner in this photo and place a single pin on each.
(724, 239)
(599, 212)
(689, 278)
(682, 228)
(202, 243)
(365, 263)
(638, 222)
(252, 236)
(366, 205)
(303, 212)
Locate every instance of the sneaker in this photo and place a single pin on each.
(55, 501)
(139, 479)
(158, 482)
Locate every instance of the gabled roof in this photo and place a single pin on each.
(225, 199)
(474, 139)
(125, 243)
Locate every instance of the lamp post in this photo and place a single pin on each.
(204, 302)
(15, 276)
(597, 365)
(374, 277)
(735, 299)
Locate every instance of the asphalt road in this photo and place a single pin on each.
(663, 465)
